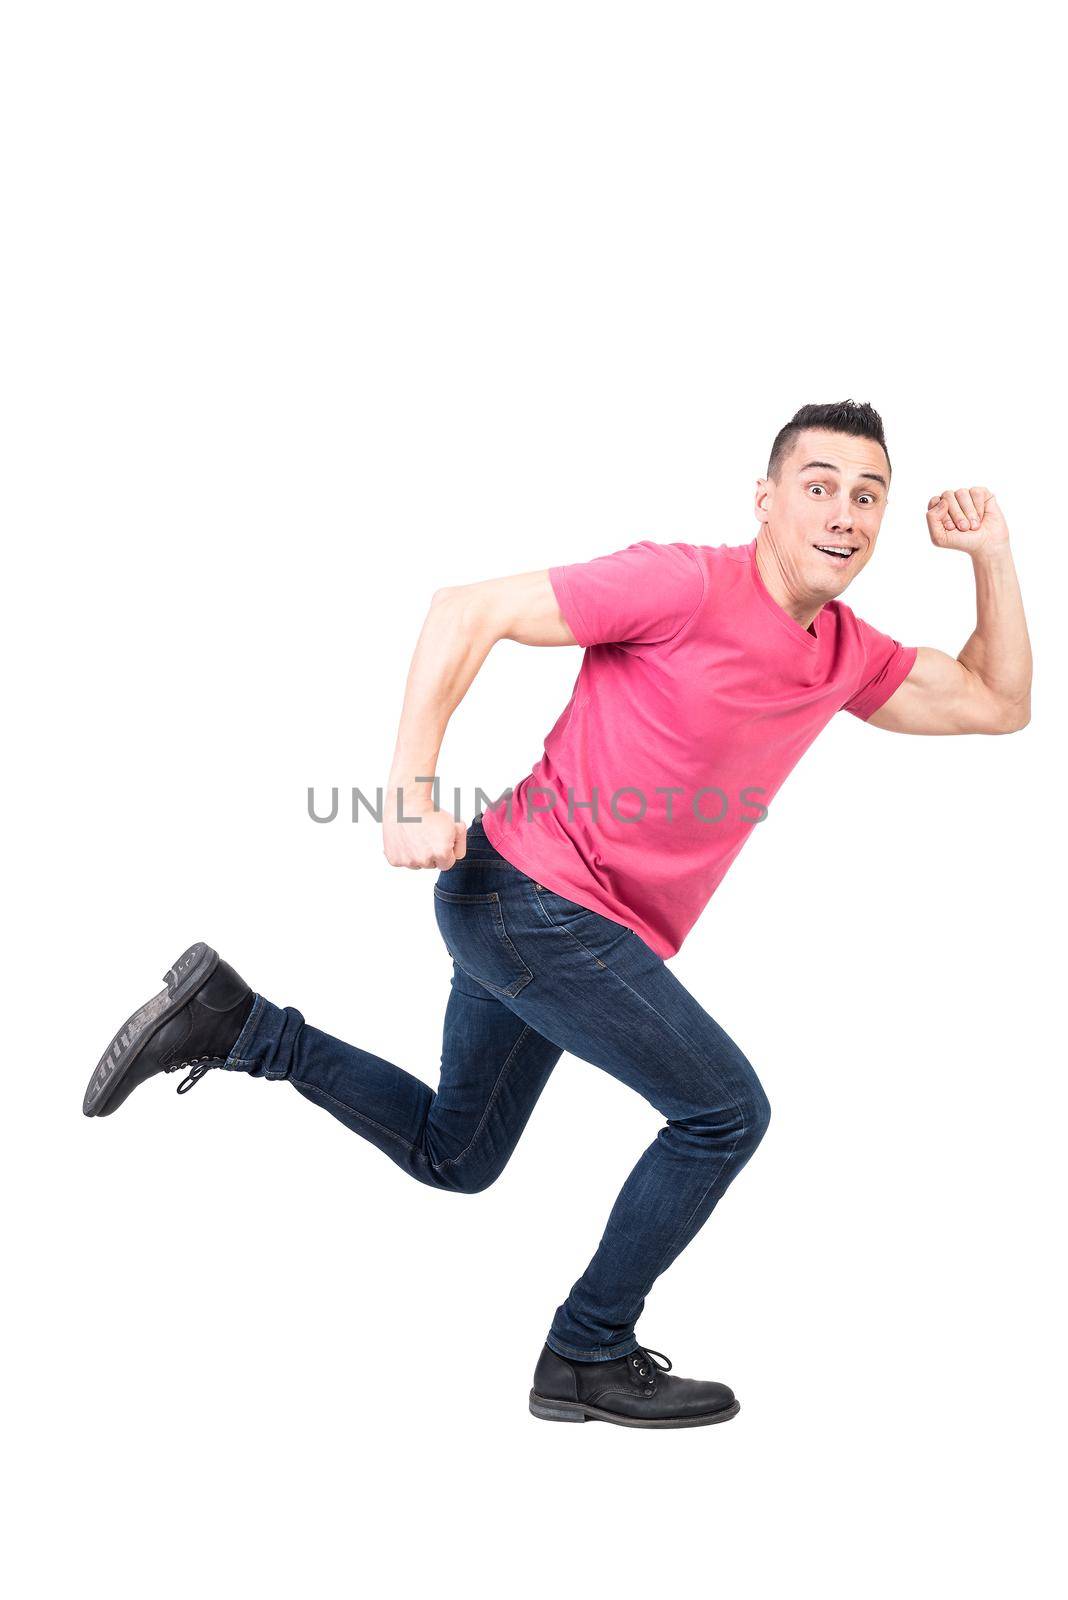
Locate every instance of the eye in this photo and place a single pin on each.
(867, 497)
(818, 486)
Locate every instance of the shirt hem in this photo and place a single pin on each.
(565, 599)
(897, 671)
(506, 847)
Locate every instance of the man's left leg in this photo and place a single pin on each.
(601, 993)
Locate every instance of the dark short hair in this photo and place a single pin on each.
(841, 416)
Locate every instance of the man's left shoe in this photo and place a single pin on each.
(194, 1022)
(632, 1390)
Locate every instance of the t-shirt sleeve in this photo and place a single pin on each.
(645, 594)
(886, 664)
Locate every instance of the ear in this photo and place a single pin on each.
(761, 504)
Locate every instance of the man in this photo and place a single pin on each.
(707, 673)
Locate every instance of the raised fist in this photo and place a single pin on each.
(965, 519)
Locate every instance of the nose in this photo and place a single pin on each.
(842, 519)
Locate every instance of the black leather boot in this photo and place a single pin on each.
(633, 1391)
(194, 1022)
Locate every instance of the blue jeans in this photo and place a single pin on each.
(534, 975)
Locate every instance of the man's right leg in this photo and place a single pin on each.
(493, 1068)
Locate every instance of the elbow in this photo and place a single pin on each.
(451, 604)
(465, 607)
(1013, 717)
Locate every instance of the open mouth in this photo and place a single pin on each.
(838, 552)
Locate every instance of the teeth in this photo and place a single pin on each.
(836, 549)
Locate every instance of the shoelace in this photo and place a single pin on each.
(644, 1352)
(197, 1068)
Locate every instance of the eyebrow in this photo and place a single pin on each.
(877, 477)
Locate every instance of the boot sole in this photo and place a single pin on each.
(576, 1411)
(188, 974)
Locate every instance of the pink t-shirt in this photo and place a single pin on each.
(696, 697)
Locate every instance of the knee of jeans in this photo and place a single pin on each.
(750, 1111)
(462, 1178)
(735, 1116)
(474, 1185)
(756, 1110)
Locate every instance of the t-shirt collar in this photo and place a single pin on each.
(790, 623)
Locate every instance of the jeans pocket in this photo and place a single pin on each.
(473, 932)
(598, 935)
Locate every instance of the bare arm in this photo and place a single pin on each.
(987, 687)
(461, 628)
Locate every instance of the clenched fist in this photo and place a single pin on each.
(965, 519)
(435, 840)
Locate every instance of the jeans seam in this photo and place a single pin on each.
(602, 964)
(313, 1088)
(506, 940)
(490, 901)
(451, 1161)
(720, 1170)
(687, 1046)
(234, 1062)
(665, 1254)
(585, 1355)
(496, 992)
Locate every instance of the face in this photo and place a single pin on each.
(831, 492)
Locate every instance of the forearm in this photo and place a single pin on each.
(451, 648)
(999, 651)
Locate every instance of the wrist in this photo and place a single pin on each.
(405, 796)
(993, 555)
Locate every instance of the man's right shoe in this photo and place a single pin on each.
(194, 1022)
(631, 1390)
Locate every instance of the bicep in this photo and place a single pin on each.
(940, 695)
(522, 607)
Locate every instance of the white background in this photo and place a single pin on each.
(313, 309)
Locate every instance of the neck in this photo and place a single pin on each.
(803, 607)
